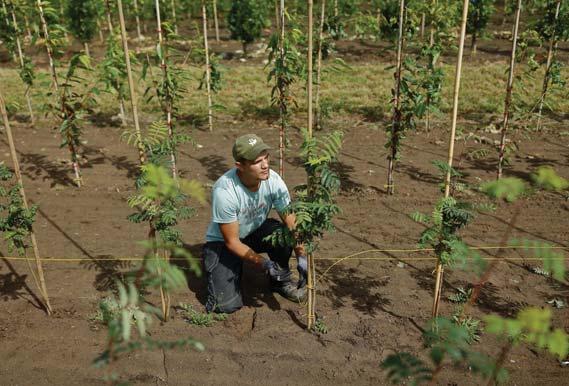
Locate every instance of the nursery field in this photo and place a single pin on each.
(372, 307)
(374, 283)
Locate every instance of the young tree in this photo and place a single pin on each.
(478, 18)
(440, 263)
(18, 225)
(246, 20)
(509, 87)
(552, 27)
(82, 16)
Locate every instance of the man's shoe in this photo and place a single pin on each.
(289, 290)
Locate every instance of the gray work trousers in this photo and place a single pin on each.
(224, 269)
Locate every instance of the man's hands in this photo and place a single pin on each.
(302, 268)
(275, 272)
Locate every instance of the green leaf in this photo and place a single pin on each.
(509, 189)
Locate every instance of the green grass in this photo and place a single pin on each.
(364, 90)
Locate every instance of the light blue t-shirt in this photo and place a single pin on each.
(232, 201)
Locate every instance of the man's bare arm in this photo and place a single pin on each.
(230, 233)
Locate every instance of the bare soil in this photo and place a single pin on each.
(372, 307)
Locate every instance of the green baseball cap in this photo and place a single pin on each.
(248, 147)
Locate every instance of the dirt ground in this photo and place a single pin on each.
(372, 307)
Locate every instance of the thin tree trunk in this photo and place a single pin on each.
(319, 64)
(54, 80)
(22, 64)
(207, 68)
(473, 44)
(137, 20)
(509, 87)
(311, 315)
(277, 16)
(173, 2)
(335, 8)
(168, 104)
(40, 282)
(215, 20)
(439, 267)
(550, 54)
(131, 87)
(396, 120)
(87, 52)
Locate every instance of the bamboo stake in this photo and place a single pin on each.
(207, 68)
(141, 151)
(40, 283)
(396, 120)
(137, 20)
(122, 111)
(422, 28)
(277, 16)
(86, 46)
(173, 4)
(439, 267)
(100, 29)
(311, 315)
(319, 62)
(28, 29)
(509, 88)
(282, 103)
(335, 8)
(550, 53)
(109, 17)
(168, 104)
(215, 20)
(21, 57)
(55, 83)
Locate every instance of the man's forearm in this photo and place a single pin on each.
(244, 252)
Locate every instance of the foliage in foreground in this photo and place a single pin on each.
(15, 220)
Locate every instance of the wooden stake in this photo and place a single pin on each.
(168, 104)
(509, 88)
(100, 29)
(141, 151)
(86, 46)
(439, 267)
(207, 68)
(550, 53)
(319, 63)
(422, 29)
(109, 16)
(137, 20)
(22, 64)
(215, 21)
(396, 120)
(311, 315)
(40, 274)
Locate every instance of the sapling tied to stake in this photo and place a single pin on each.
(17, 226)
(287, 67)
(113, 73)
(553, 27)
(127, 311)
(509, 87)
(440, 264)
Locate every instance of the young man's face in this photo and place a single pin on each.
(257, 169)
